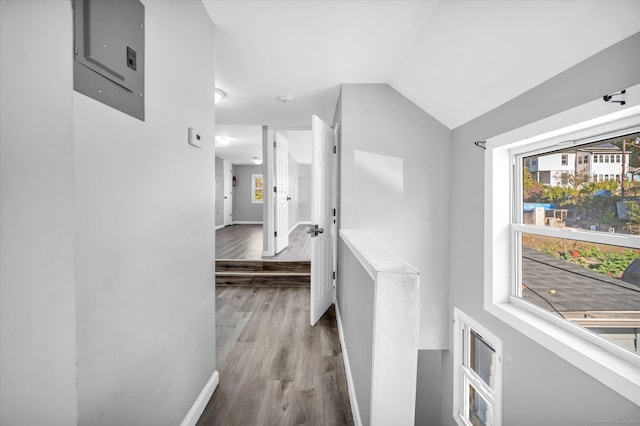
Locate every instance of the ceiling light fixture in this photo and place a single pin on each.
(223, 140)
(219, 94)
(257, 160)
(285, 98)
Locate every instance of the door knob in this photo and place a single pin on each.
(315, 230)
(288, 198)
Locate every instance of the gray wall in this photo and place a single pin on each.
(299, 191)
(107, 299)
(393, 184)
(243, 209)
(219, 194)
(394, 168)
(355, 297)
(37, 287)
(539, 387)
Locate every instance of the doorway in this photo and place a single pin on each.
(228, 194)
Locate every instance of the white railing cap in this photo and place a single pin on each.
(375, 258)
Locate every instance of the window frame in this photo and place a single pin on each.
(463, 375)
(612, 365)
(254, 187)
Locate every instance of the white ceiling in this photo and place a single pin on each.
(245, 142)
(455, 59)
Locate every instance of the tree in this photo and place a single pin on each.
(633, 213)
(532, 189)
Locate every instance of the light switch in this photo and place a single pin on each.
(195, 139)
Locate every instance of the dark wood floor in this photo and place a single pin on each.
(245, 242)
(274, 368)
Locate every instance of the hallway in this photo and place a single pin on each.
(245, 242)
(274, 368)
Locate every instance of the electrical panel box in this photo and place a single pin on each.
(109, 53)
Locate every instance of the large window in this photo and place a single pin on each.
(562, 261)
(582, 277)
(477, 374)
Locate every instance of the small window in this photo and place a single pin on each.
(477, 374)
(579, 160)
(565, 159)
(595, 158)
(257, 189)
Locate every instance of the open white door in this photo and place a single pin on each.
(321, 220)
(281, 154)
(228, 194)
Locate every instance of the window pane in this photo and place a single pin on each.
(599, 193)
(479, 410)
(596, 286)
(259, 182)
(482, 359)
(258, 194)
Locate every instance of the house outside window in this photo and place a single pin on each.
(600, 340)
(257, 189)
(477, 374)
(565, 159)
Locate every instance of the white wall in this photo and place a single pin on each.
(107, 226)
(539, 387)
(37, 289)
(394, 176)
(144, 232)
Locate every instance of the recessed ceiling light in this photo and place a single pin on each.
(257, 160)
(285, 98)
(219, 94)
(223, 140)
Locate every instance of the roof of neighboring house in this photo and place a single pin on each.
(575, 288)
(601, 148)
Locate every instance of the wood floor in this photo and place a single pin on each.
(274, 368)
(245, 242)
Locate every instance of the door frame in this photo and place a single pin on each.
(227, 182)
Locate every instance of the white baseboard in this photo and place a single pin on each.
(219, 227)
(302, 222)
(247, 222)
(201, 402)
(267, 253)
(355, 410)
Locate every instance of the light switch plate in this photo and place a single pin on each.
(195, 138)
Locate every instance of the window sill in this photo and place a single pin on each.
(613, 366)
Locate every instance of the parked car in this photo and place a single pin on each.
(631, 275)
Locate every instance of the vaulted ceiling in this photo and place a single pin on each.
(455, 59)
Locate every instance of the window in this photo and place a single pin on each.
(575, 332)
(477, 374)
(595, 158)
(580, 160)
(618, 158)
(257, 189)
(586, 159)
(565, 159)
